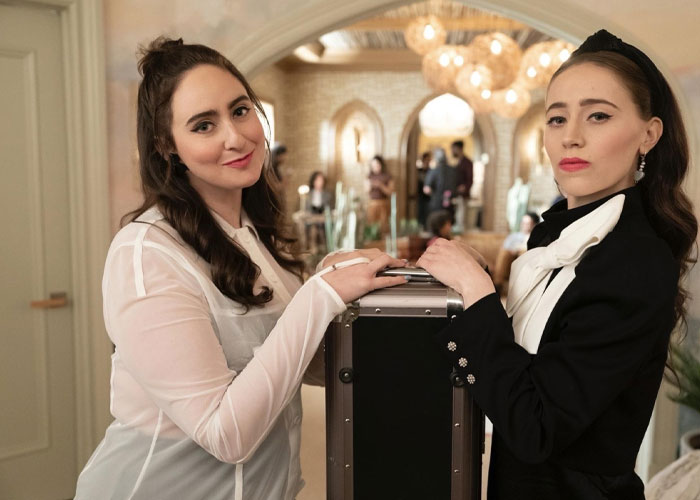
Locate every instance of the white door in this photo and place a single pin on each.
(37, 388)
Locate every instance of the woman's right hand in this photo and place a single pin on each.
(354, 281)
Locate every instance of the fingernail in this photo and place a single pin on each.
(407, 277)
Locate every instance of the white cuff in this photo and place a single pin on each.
(341, 265)
(336, 252)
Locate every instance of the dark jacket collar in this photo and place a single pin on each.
(558, 217)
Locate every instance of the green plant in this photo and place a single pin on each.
(687, 379)
(409, 227)
(372, 232)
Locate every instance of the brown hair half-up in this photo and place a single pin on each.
(669, 210)
(165, 183)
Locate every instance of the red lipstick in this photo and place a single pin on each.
(573, 164)
(241, 162)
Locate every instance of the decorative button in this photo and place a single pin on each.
(471, 378)
(462, 362)
(451, 346)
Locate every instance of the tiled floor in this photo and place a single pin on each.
(313, 445)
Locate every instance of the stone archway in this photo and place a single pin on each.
(370, 120)
(487, 138)
(566, 21)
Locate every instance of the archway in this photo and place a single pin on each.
(568, 22)
(369, 131)
(483, 131)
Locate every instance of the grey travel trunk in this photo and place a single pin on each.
(400, 425)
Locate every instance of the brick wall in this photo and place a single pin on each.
(307, 100)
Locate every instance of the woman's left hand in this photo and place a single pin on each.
(453, 264)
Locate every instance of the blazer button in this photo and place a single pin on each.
(462, 362)
(471, 378)
(451, 346)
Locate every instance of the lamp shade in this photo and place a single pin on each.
(474, 83)
(541, 60)
(440, 67)
(500, 53)
(446, 115)
(511, 102)
(424, 34)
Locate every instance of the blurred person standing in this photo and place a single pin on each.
(278, 156)
(441, 183)
(422, 199)
(380, 186)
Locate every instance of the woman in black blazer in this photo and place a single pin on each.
(568, 373)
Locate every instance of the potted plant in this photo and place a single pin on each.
(687, 381)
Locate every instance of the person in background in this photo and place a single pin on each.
(316, 204)
(278, 156)
(516, 243)
(318, 198)
(465, 169)
(213, 330)
(569, 371)
(422, 199)
(441, 183)
(380, 186)
(440, 225)
(465, 179)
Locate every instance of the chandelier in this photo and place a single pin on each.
(491, 73)
(512, 101)
(474, 83)
(424, 34)
(500, 53)
(541, 60)
(446, 115)
(440, 67)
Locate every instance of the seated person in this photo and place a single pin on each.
(318, 198)
(517, 242)
(440, 225)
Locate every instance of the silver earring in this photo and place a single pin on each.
(639, 173)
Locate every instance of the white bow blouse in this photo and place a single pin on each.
(205, 398)
(531, 298)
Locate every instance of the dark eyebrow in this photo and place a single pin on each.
(555, 105)
(582, 103)
(589, 102)
(211, 112)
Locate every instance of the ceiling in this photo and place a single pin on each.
(377, 43)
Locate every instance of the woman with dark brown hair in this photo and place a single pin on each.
(204, 303)
(569, 372)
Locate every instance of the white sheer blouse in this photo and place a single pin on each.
(205, 398)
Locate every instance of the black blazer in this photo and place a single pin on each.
(569, 420)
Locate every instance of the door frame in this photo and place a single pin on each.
(88, 183)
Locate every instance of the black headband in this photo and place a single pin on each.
(658, 87)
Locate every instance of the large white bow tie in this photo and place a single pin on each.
(530, 300)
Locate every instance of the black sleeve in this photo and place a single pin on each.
(539, 404)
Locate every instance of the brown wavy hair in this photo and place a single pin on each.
(668, 208)
(165, 183)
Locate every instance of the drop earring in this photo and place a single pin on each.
(176, 164)
(639, 173)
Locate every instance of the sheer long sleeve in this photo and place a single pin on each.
(166, 340)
